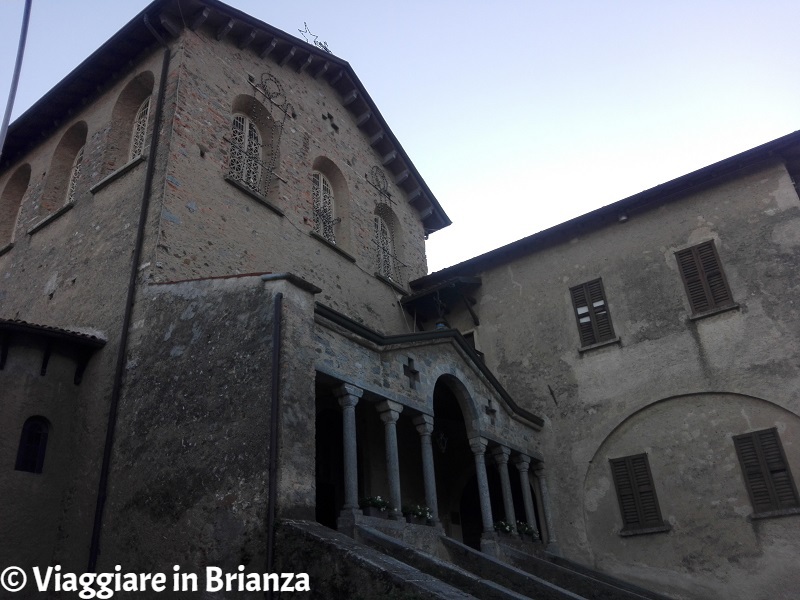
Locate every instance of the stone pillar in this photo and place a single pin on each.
(348, 398)
(478, 447)
(552, 543)
(501, 454)
(389, 412)
(523, 464)
(424, 425)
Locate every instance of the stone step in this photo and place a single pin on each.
(341, 568)
(483, 576)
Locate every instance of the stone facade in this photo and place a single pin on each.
(211, 349)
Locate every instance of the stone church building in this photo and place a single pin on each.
(218, 339)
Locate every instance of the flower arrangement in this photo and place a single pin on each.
(503, 527)
(374, 502)
(524, 528)
(418, 511)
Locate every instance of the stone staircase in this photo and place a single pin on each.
(378, 565)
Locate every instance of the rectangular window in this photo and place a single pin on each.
(591, 312)
(765, 470)
(638, 504)
(703, 277)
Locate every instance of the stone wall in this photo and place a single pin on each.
(637, 395)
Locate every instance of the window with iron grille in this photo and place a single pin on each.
(385, 245)
(636, 493)
(140, 130)
(591, 312)
(322, 193)
(703, 277)
(74, 174)
(765, 470)
(32, 445)
(245, 159)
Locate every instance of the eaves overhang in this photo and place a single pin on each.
(75, 344)
(784, 150)
(168, 18)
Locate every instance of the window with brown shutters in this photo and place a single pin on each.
(636, 493)
(703, 277)
(765, 470)
(591, 312)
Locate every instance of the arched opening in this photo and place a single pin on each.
(10, 202)
(32, 445)
(453, 460)
(63, 176)
(254, 158)
(129, 120)
(337, 229)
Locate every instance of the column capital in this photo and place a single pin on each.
(347, 389)
(522, 462)
(501, 454)
(538, 469)
(389, 411)
(424, 424)
(478, 444)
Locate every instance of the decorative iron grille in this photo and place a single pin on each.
(74, 175)
(322, 193)
(140, 130)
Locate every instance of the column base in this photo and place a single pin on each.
(346, 523)
(553, 548)
(489, 544)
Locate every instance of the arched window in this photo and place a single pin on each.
(65, 169)
(245, 162)
(10, 202)
(74, 174)
(139, 133)
(385, 247)
(322, 192)
(32, 445)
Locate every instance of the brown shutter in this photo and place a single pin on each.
(591, 313)
(766, 473)
(703, 277)
(582, 314)
(638, 503)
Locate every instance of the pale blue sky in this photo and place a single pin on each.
(518, 114)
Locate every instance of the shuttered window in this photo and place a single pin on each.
(703, 277)
(765, 470)
(638, 504)
(591, 312)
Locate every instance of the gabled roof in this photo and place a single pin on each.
(167, 18)
(785, 149)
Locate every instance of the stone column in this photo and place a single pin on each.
(424, 425)
(389, 412)
(348, 398)
(552, 543)
(523, 464)
(501, 454)
(478, 447)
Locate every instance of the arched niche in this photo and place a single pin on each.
(10, 202)
(64, 169)
(129, 103)
(342, 217)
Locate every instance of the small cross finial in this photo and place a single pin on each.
(412, 373)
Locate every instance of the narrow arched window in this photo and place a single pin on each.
(385, 246)
(139, 133)
(32, 445)
(74, 174)
(322, 192)
(245, 162)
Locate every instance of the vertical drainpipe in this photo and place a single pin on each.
(272, 497)
(94, 548)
